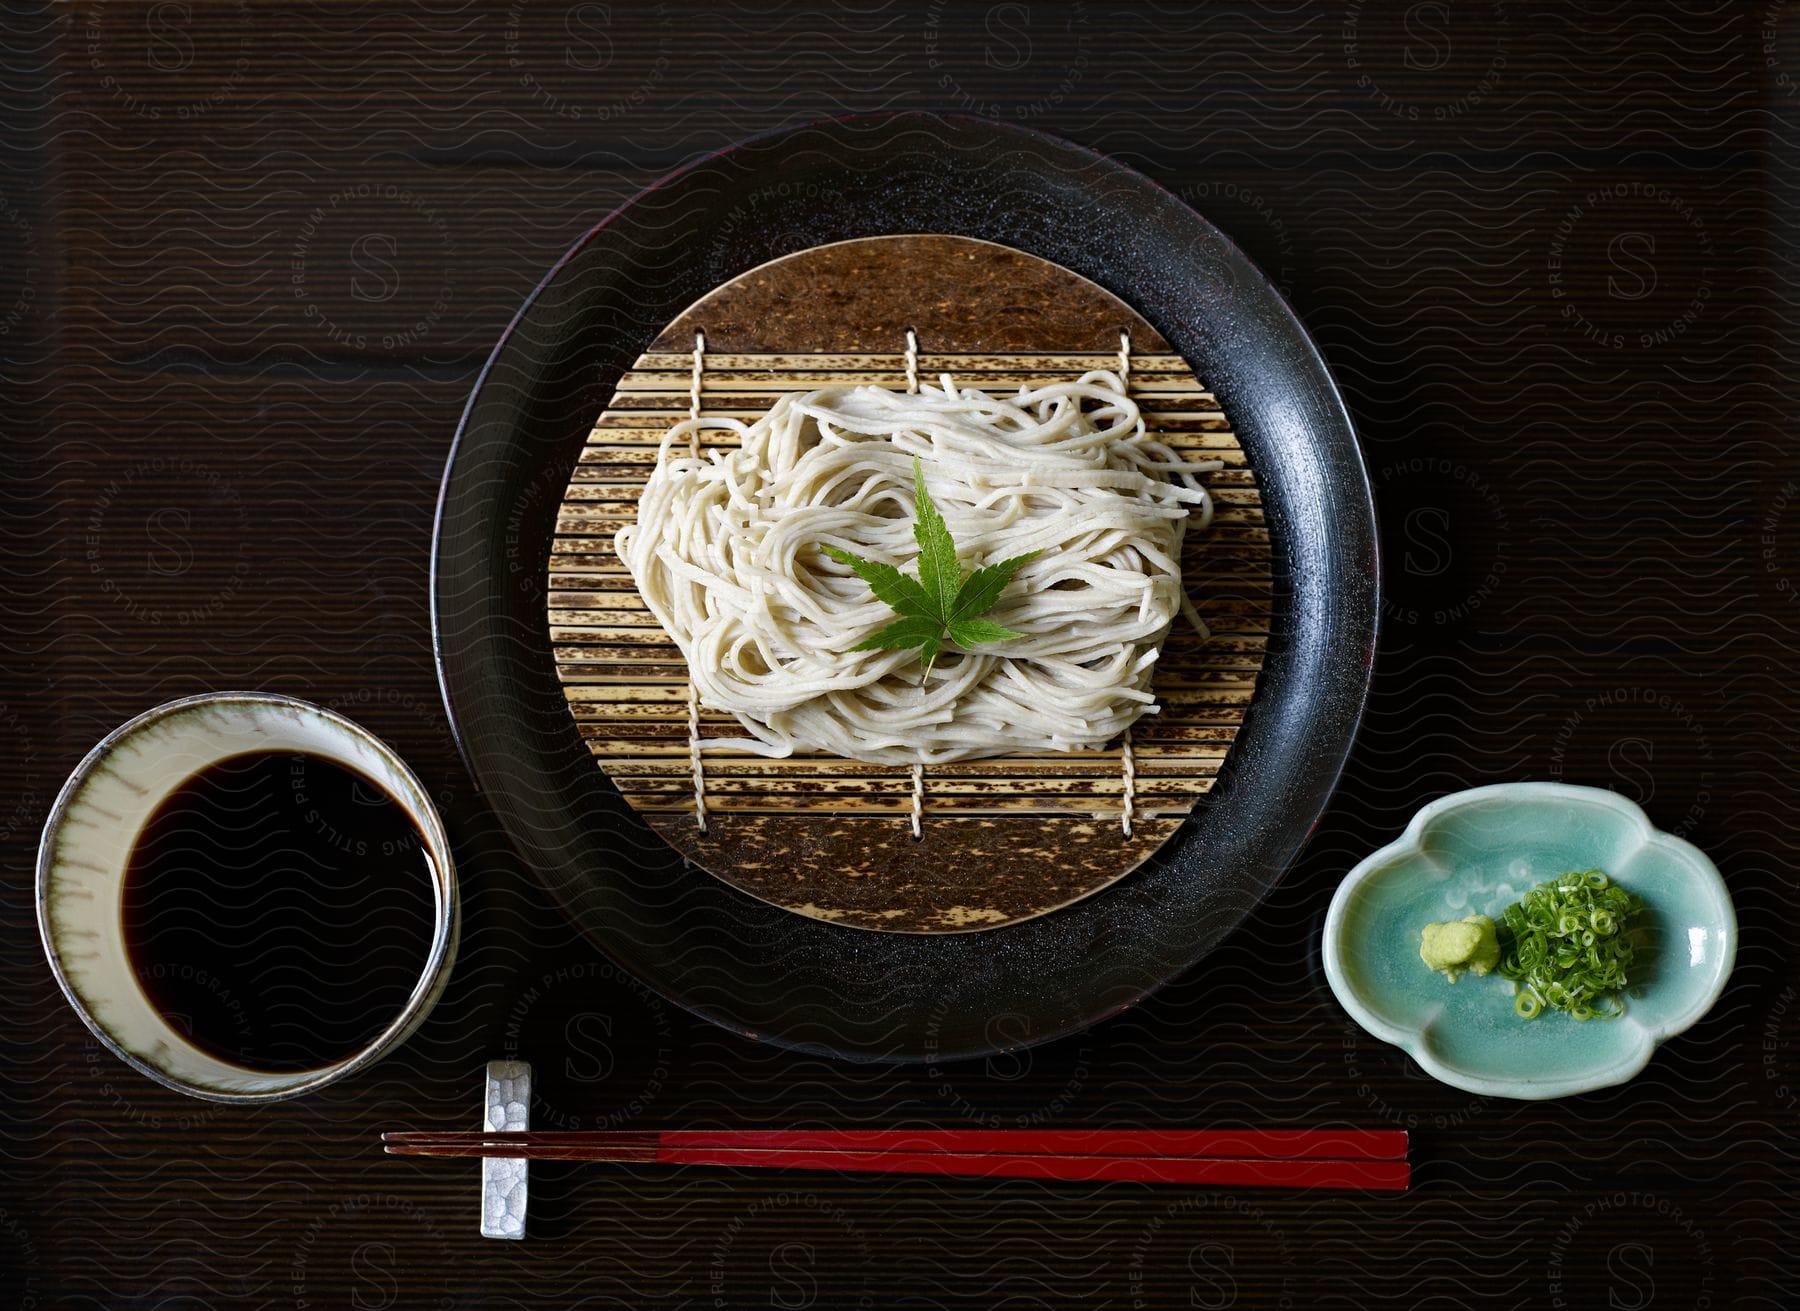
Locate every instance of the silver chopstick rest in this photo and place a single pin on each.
(503, 1183)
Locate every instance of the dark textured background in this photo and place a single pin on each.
(251, 257)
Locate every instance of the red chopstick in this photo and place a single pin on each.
(1303, 1158)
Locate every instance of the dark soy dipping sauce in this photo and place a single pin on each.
(278, 910)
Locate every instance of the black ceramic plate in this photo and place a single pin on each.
(782, 977)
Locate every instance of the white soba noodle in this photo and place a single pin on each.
(726, 553)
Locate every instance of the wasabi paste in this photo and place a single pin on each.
(1470, 943)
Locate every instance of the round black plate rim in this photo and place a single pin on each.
(1328, 719)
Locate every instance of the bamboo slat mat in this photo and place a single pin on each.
(812, 831)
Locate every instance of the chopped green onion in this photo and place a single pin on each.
(1566, 944)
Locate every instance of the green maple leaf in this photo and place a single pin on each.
(941, 604)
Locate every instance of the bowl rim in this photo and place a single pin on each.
(433, 975)
(1411, 1040)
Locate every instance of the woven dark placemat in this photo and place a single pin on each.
(252, 258)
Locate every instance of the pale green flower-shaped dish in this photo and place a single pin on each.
(1475, 852)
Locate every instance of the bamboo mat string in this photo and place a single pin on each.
(1128, 767)
(918, 770)
(694, 390)
(1127, 764)
(693, 692)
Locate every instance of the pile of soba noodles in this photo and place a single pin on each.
(726, 552)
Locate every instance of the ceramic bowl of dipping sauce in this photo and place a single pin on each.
(1475, 853)
(246, 896)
